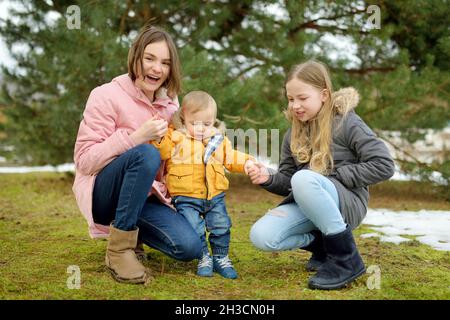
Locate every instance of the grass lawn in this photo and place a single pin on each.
(42, 233)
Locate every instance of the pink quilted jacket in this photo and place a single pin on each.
(113, 111)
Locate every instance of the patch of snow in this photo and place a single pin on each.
(394, 239)
(430, 227)
(370, 235)
(67, 167)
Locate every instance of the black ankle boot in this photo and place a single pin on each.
(343, 264)
(319, 255)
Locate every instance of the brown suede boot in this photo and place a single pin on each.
(120, 257)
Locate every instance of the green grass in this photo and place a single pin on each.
(42, 233)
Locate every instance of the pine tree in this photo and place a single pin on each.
(239, 51)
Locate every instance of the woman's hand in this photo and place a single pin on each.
(152, 129)
(257, 172)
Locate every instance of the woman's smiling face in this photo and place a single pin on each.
(156, 68)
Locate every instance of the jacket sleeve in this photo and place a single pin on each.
(280, 181)
(98, 141)
(375, 163)
(234, 160)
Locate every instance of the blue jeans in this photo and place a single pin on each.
(289, 226)
(121, 194)
(211, 214)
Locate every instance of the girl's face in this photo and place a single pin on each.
(156, 63)
(304, 99)
(200, 124)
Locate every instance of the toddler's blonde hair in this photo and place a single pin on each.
(194, 102)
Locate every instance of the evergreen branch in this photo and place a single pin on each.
(123, 18)
(312, 24)
(441, 86)
(242, 72)
(345, 14)
(252, 54)
(416, 161)
(243, 118)
(239, 119)
(334, 29)
(234, 21)
(378, 108)
(364, 71)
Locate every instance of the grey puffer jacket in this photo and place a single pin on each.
(360, 160)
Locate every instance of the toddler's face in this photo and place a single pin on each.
(200, 124)
(304, 99)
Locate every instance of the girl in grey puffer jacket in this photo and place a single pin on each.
(329, 157)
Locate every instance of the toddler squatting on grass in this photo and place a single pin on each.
(197, 151)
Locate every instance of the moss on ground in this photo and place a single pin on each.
(42, 233)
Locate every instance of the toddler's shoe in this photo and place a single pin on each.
(224, 267)
(205, 266)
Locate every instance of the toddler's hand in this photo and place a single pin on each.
(258, 173)
(249, 165)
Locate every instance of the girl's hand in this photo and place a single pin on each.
(152, 129)
(257, 173)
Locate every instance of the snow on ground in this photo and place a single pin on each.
(427, 226)
(66, 167)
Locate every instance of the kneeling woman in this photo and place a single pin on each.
(118, 179)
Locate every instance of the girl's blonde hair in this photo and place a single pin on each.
(150, 34)
(194, 102)
(311, 140)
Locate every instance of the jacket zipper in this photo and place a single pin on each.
(206, 177)
(206, 183)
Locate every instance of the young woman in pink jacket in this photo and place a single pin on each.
(118, 175)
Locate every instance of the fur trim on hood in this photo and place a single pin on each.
(345, 99)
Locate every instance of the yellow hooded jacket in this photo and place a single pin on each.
(187, 175)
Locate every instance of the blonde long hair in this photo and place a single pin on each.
(311, 141)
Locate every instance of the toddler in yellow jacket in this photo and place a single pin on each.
(197, 151)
